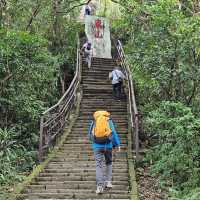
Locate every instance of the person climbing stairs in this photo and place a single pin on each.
(71, 173)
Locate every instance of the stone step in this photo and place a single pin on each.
(82, 140)
(82, 145)
(85, 129)
(87, 143)
(98, 86)
(97, 83)
(97, 68)
(84, 166)
(79, 178)
(88, 113)
(78, 135)
(64, 183)
(32, 198)
(113, 108)
(65, 191)
(75, 185)
(115, 119)
(110, 103)
(92, 95)
(114, 111)
(80, 170)
(87, 148)
(66, 159)
(96, 79)
(104, 88)
(86, 174)
(78, 156)
(103, 101)
(73, 195)
(118, 122)
(120, 128)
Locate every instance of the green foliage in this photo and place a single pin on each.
(192, 195)
(162, 43)
(29, 85)
(37, 50)
(175, 156)
(14, 158)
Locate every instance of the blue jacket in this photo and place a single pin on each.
(115, 140)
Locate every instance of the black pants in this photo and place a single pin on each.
(117, 90)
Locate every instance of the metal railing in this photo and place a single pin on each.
(131, 95)
(53, 120)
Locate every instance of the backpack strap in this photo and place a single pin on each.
(119, 78)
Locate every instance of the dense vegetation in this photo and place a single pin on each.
(162, 42)
(37, 51)
(163, 46)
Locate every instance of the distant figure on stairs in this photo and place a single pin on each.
(104, 137)
(88, 9)
(87, 51)
(117, 78)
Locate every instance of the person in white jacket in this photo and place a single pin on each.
(117, 78)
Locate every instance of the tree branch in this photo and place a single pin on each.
(73, 7)
(36, 11)
(2, 82)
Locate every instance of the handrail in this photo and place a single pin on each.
(52, 120)
(132, 102)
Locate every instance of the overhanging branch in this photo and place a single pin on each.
(75, 6)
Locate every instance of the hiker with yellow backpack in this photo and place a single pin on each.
(104, 138)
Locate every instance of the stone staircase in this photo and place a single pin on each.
(71, 173)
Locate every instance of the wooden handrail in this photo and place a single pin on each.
(52, 120)
(131, 96)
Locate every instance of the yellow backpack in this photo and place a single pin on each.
(101, 128)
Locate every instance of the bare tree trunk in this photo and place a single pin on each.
(35, 13)
(62, 82)
(3, 4)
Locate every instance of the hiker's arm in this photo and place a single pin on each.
(123, 76)
(90, 135)
(115, 138)
(110, 75)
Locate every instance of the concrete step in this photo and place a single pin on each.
(79, 156)
(85, 141)
(65, 159)
(87, 174)
(97, 68)
(83, 166)
(72, 185)
(79, 178)
(65, 183)
(71, 190)
(85, 129)
(80, 170)
(84, 136)
(73, 195)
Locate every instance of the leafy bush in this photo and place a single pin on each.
(175, 156)
(192, 195)
(29, 85)
(14, 158)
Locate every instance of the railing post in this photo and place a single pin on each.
(41, 139)
(137, 137)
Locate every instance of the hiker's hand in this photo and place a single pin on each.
(118, 149)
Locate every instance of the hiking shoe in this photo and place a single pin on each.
(108, 184)
(99, 189)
